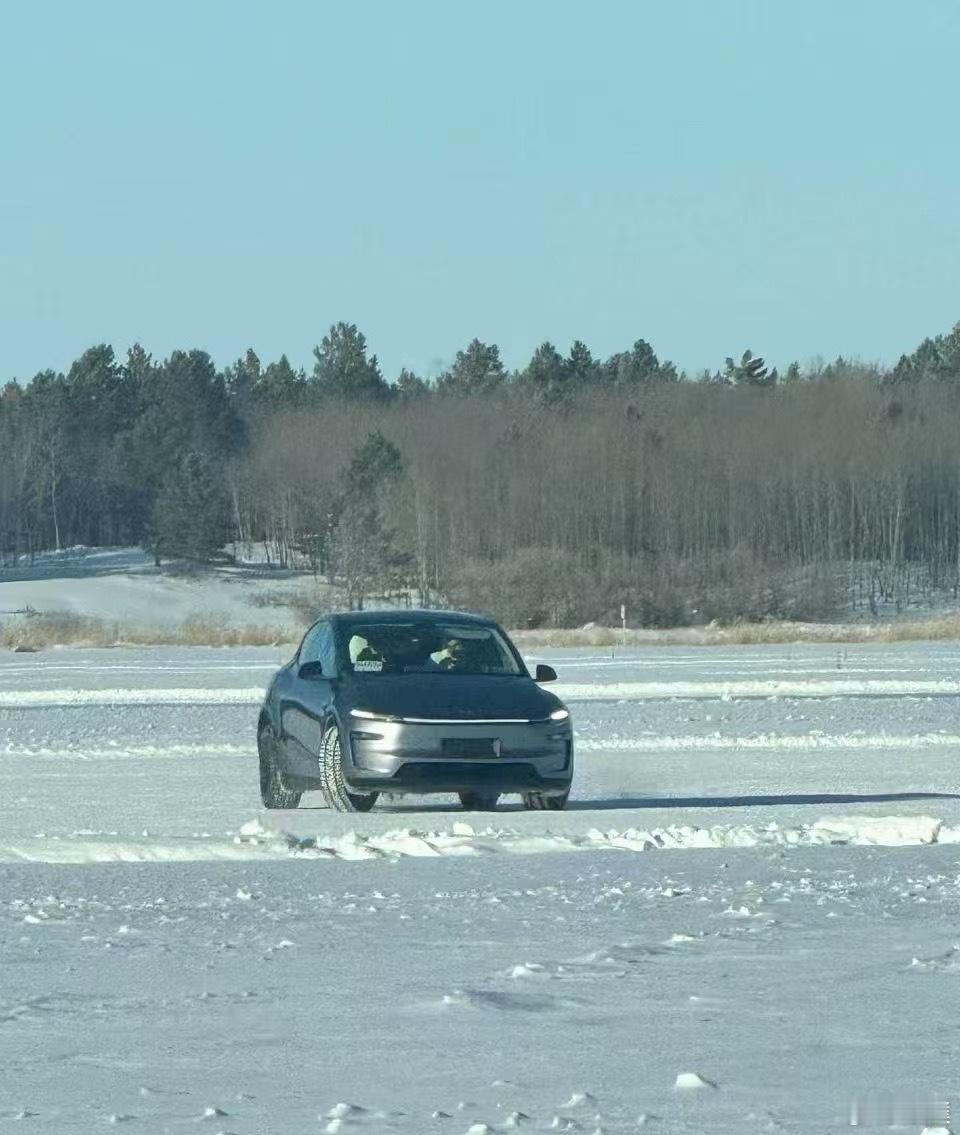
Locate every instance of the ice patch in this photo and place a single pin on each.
(507, 1002)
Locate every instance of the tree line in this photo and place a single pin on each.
(547, 495)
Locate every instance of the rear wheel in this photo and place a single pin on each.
(479, 801)
(273, 792)
(333, 786)
(540, 801)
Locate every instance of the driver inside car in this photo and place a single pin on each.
(452, 656)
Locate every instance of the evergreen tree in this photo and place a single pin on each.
(102, 401)
(184, 409)
(281, 387)
(547, 374)
(637, 367)
(936, 359)
(342, 369)
(582, 369)
(189, 518)
(750, 371)
(477, 370)
(243, 379)
(48, 405)
(409, 385)
(137, 368)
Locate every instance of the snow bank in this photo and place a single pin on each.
(254, 841)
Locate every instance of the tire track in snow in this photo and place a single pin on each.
(647, 744)
(615, 691)
(45, 699)
(737, 690)
(768, 742)
(121, 752)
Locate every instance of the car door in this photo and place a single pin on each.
(306, 702)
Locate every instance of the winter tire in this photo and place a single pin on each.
(273, 792)
(333, 786)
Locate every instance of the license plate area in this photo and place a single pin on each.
(461, 747)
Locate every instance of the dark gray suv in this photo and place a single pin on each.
(412, 702)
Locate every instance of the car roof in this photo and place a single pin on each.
(406, 614)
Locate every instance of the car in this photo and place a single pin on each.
(412, 701)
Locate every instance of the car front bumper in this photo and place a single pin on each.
(458, 756)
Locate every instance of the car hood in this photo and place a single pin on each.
(447, 696)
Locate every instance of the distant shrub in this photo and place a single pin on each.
(20, 633)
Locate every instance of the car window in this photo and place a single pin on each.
(421, 647)
(318, 646)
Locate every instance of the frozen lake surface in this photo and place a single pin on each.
(756, 889)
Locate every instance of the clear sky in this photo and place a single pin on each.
(709, 175)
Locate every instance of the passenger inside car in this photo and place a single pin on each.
(363, 655)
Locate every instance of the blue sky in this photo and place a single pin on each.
(709, 175)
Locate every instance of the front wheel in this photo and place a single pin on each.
(333, 786)
(273, 792)
(540, 801)
(479, 801)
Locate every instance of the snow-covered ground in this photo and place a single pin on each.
(122, 585)
(747, 920)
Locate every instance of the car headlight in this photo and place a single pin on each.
(369, 715)
(560, 715)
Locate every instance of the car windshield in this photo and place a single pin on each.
(426, 647)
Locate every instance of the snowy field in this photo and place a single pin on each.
(122, 585)
(747, 921)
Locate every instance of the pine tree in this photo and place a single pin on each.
(582, 369)
(242, 380)
(281, 387)
(476, 370)
(750, 371)
(189, 519)
(546, 374)
(342, 369)
(409, 385)
(637, 367)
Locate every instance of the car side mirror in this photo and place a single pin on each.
(310, 671)
(545, 673)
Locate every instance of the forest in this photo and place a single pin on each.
(547, 496)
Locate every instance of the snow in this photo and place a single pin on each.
(692, 1081)
(14, 699)
(746, 921)
(257, 842)
(623, 691)
(122, 585)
